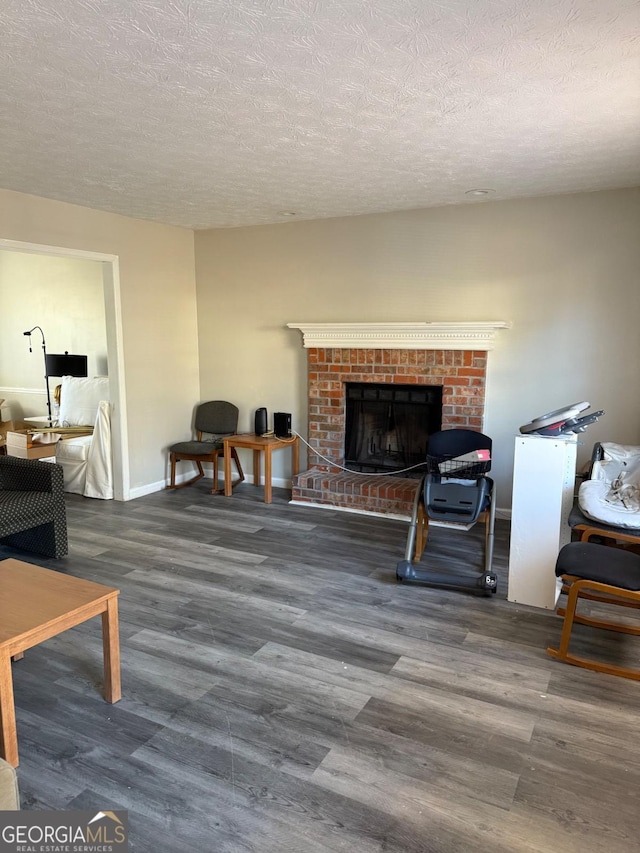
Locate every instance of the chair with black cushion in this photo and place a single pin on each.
(213, 421)
(457, 492)
(597, 573)
(588, 529)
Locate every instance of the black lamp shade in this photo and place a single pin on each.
(66, 365)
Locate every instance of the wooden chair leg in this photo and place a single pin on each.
(570, 616)
(172, 484)
(603, 623)
(214, 486)
(567, 625)
(617, 538)
(236, 458)
(422, 532)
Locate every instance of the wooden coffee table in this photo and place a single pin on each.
(37, 604)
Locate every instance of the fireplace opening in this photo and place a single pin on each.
(388, 426)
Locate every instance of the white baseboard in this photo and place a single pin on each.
(147, 489)
(160, 485)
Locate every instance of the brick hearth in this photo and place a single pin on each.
(462, 375)
(386, 495)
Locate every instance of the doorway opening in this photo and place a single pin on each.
(114, 348)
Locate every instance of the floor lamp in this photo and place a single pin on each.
(58, 365)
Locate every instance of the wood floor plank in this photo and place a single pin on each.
(453, 825)
(466, 671)
(283, 801)
(260, 733)
(281, 692)
(483, 714)
(190, 548)
(462, 773)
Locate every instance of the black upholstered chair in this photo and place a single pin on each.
(213, 421)
(597, 573)
(32, 509)
(587, 529)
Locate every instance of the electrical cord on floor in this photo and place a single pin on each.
(342, 468)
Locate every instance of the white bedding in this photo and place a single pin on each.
(612, 495)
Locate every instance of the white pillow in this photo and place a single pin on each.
(79, 399)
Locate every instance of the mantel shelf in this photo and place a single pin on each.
(421, 335)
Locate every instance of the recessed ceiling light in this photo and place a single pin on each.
(287, 213)
(479, 192)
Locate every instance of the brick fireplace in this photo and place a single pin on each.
(450, 356)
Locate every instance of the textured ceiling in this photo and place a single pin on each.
(215, 113)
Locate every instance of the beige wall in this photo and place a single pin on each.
(159, 331)
(562, 269)
(65, 297)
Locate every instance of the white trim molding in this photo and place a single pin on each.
(11, 392)
(446, 336)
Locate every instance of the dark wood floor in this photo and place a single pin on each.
(283, 693)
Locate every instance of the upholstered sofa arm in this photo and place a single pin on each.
(30, 475)
(32, 508)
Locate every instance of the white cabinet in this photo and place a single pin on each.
(544, 474)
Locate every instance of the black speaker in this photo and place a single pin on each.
(282, 424)
(260, 422)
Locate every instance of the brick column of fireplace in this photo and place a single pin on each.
(462, 375)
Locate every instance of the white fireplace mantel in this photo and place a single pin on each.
(447, 336)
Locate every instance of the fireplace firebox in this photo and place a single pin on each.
(387, 427)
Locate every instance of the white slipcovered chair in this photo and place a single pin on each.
(86, 461)
(9, 795)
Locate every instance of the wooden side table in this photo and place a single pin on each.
(37, 604)
(260, 444)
